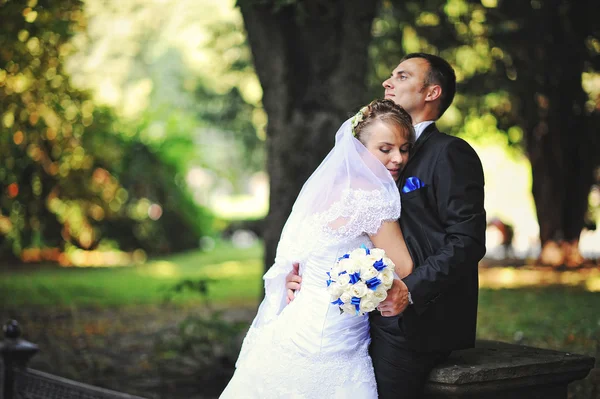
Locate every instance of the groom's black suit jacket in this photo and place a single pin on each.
(444, 227)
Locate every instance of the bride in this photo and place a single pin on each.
(349, 201)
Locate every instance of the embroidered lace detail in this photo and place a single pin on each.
(357, 212)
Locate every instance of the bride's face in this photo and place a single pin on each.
(388, 143)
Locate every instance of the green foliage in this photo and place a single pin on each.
(192, 81)
(199, 287)
(68, 177)
(153, 210)
(42, 124)
(204, 348)
(233, 110)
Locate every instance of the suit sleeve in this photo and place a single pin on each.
(458, 188)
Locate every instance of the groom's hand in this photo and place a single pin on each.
(292, 282)
(396, 301)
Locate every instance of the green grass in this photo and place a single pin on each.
(235, 275)
(551, 317)
(554, 317)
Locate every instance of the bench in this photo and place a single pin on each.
(494, 370)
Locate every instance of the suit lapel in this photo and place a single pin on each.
(427, 133)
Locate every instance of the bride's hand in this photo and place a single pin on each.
(292, 282)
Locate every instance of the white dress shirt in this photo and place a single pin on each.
(420, 128)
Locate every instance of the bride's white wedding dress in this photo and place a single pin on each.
(311, 350)
(307, 349)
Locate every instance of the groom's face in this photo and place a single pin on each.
(406, 87)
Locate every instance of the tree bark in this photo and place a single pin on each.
(311, 60)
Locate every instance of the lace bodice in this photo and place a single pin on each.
(342, 223)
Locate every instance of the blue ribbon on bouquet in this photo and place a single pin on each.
(337, 302)
(354, 278)
(363, 246)
(373, 283)
(379, 265)
(329, 281)
(345, 256)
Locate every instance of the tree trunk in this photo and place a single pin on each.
(559, 139)
(311, 60)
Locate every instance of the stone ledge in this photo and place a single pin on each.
(501, 370)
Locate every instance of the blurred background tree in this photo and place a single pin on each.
(311, 60)
(72, 176)
(193, 79)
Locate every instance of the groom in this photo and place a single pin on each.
(433, 310)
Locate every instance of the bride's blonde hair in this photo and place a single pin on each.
(385, 111)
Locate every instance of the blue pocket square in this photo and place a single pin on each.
(412, 183)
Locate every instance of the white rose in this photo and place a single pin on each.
(367, 272)
(357, 253)
(346, 298)
(349, 265)
(389, 262)
(370, 295)
(359, 289)
(348, 309)
(335, 290)
(354, 267)
(342, 264)
(334, 272)
(366, 261)
(343, 279)
(380, 293)
(378, 253)
(372, 258)
(368, 304)
(387, 277)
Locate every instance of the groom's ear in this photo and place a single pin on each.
(433, 92)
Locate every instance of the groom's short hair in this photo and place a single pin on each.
(440, 73)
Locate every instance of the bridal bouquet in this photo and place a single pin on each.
(359, 280)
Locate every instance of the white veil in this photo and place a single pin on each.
(349, 194)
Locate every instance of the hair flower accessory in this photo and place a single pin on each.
(358, 118)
